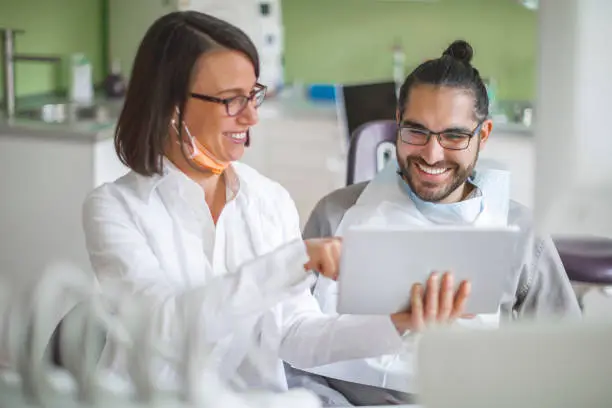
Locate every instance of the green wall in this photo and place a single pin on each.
(343, 41)
(54, 27)
(128, 21)
(326, 41)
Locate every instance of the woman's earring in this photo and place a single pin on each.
(173, 120)
(173, 123)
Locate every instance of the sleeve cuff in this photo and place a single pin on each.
(387, 336)
(377, 336)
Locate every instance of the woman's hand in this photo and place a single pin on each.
(324, 256)
(439, 303)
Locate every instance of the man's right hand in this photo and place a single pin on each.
(438, 303)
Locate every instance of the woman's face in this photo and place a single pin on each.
(221, 74)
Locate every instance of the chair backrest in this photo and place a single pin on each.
(357, 104)
(371, 146)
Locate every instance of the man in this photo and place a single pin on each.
(443, 123)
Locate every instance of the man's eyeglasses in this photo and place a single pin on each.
(236, 104)
(419, 136)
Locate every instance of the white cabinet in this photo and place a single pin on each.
(259, 19)
(45, 179)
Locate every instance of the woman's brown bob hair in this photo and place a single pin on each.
(161, 81)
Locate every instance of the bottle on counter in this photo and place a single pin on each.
(81, 84)
(114, 84)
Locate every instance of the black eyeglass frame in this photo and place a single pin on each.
(439, 135)
(258, 94)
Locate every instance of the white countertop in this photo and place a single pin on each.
(511, 127)
(81, 132)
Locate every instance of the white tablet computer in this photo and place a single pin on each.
(379, 265)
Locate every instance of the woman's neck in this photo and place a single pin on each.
(214, 185)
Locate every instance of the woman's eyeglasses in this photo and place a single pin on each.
(236, 104)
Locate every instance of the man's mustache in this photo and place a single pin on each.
(443, 164)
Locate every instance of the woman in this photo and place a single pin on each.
(190, 219)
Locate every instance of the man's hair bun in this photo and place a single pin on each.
(460, 50)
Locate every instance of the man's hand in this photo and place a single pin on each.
(437, 304)
(324, 256)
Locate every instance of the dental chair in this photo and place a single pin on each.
(371, 146)
(580, 222)
(588, 263)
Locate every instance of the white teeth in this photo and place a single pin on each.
(238, 136)
(431, 170)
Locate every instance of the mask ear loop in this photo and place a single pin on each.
(180, 140)
(192, 143)
(191, 148)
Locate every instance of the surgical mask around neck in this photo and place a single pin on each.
(197, 152)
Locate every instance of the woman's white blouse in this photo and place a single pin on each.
(155, 235)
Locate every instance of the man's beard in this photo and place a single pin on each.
(434, 192)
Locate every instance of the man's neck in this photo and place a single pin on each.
(460, 194)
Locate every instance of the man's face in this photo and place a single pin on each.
(433, 172)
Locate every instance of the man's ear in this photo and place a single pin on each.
(485, 132)
(397, 115)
